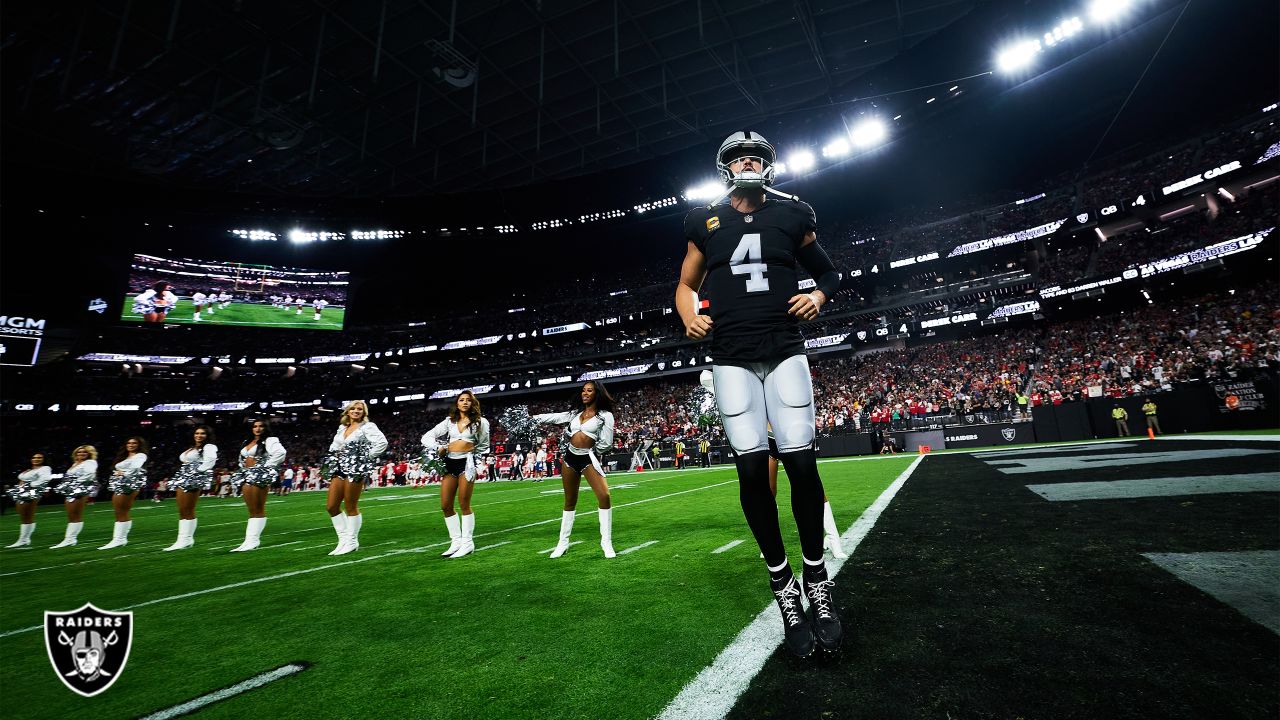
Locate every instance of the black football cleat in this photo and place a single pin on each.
(797, 635)
(822, 611)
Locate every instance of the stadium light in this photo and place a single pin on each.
(1104, 11)
(301, 236)
(1062, 31)
(1017, 56)
(836, 148)
(869, 132)
(705, 191)
(800, 161)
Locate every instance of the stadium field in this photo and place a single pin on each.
(1130, 579)
(394, 629)
(247, 315)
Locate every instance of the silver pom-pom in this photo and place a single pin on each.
(520, 427)
(25, 493)
(127, 483)
(352, 461)
(700, 407)
(259, 476)
(190, 478)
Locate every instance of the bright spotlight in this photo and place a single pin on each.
(869, 132)
(838, 148)
(705, 191)
(801, 161)
(779, 168)
(1017, 56)
(1103, 11)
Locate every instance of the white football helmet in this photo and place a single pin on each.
(746, 144)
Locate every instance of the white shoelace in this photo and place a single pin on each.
(819, 596)
(787, 600)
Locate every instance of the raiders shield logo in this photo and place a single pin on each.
(1009, 434)
(88, 647)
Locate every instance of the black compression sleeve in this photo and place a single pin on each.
(816, 261)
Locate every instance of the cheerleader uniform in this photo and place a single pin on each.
(77, 482)
(31, 485)
(195, 475)
(265, 470)
(128, 478)
(600, 429)
(353, 457)
(462, 465)
(152, 302)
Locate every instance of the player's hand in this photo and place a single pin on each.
(805, 306)
(697, 328)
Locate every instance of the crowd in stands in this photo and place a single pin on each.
(991, 377)
(245, 291)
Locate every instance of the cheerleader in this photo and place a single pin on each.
(197, 304)
(126, 480)
(353, 455)
(155, 303)
(590, 433)
(78, 483)
(260, 460)
(31, 485)
(467, 436)
(193, 477)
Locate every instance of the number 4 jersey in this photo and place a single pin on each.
(751, 274)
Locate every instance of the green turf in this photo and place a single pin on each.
(247, 315)
(506, 633)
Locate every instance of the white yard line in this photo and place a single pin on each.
(715, 690)
(51, 567)
(723, 548)
(630, 550)
(553, 547)
(490, 547)
(362, 559)
(252, 683)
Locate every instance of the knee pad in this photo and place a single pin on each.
(741, 400)
(789, 397)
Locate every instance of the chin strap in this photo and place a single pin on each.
(766, 188)
(779, 193)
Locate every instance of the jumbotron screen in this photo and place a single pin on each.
(210, 292)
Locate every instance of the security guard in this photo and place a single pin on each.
(1122, 420)
(1153, 422)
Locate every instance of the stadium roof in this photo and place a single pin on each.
(409, 97)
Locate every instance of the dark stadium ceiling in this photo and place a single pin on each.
(411, 97)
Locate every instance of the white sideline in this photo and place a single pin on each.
(715, 690)
(367, 558)
(256, 681)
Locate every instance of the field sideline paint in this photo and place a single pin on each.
(715, 690)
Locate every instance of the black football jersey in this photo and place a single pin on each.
(751, 274)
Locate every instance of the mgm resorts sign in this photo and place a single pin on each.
(20, 339)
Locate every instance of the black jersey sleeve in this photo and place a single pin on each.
(807, 220)
(696, 228)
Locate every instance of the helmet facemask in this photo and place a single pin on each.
(743, 145)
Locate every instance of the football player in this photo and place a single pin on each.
(742, 256)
